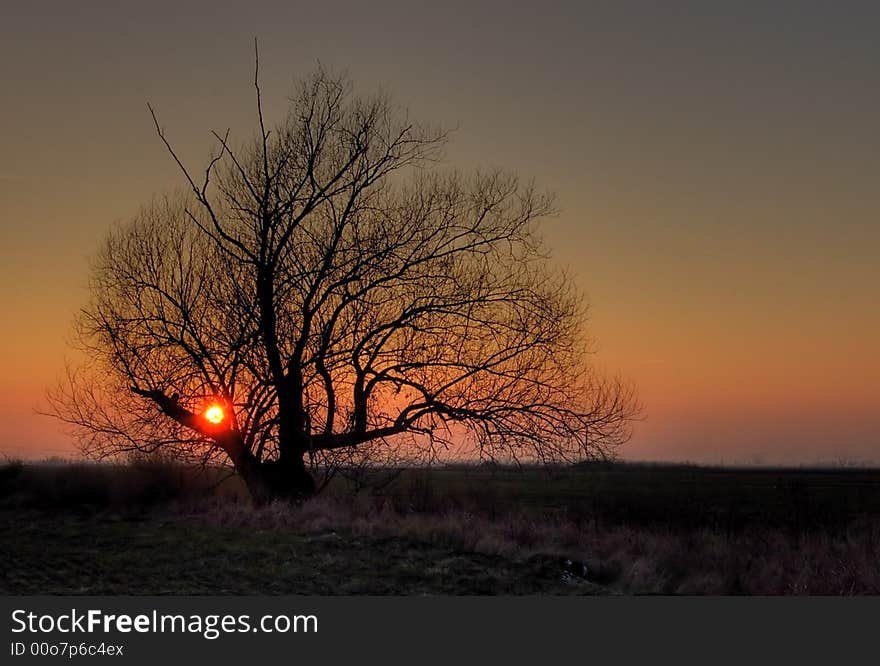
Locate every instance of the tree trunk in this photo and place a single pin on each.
(273, 480)
(285, 479)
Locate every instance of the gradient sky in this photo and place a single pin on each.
(717, 164)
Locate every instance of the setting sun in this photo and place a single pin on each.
(214, 414)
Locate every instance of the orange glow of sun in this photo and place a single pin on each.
(214, 414)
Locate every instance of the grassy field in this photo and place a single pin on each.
(589, 529)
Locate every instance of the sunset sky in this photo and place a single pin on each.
(717, 165)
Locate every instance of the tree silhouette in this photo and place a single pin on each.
(335, 290)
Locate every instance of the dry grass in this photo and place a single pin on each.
(130, 487)
(456, 533)
(625, 559)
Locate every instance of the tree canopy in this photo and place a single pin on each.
(337, 291)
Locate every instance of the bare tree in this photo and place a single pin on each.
(334, 291)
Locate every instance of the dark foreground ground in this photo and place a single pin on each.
(592, 529)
